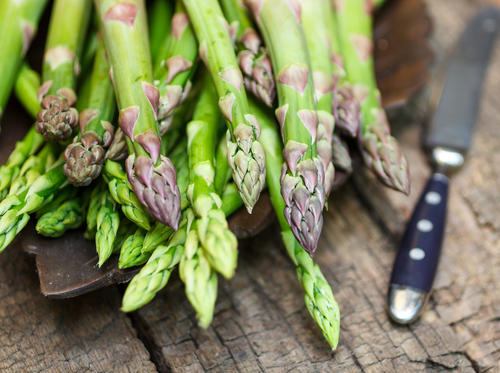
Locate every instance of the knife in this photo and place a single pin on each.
(447, 140)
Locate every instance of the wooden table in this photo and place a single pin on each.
(261, 323)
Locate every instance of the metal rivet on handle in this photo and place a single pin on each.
(433, 198)
(425, 225)
(417, 253)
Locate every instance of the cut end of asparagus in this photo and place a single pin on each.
(382, 155)
(156, 187)
(57, 119)
(84, 160)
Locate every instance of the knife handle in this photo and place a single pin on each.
(417, 259)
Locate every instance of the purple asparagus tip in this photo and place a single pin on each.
(156, 187)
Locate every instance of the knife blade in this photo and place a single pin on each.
(448, 139)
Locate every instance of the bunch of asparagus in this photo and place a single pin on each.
(154, 133)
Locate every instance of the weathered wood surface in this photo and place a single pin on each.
(261, 323)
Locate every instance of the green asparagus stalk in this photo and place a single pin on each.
(245, 154)
(253, 58)
(151, 174)
(122, 192)
(108, 220)
(222, 168)
(26, 88)
(67, 29)
(18, 24)
(175, 66)
(131, 254)
(24, 149)
(85, 156)
(43, 189)
(218, 242)
(126, 226)
(318, 296)
(95, 199)
(65, 194)
(302, 180)
(346, 107)
(12, 218)
(314, 18)
(160, 16)
(68, 215)
(380, 150)
(155, 274)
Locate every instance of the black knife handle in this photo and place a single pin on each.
(418, 257)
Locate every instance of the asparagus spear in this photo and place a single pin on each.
(341, 157)
(108, 221)
(253, 58)
(12, 218)
(67, 29)
(131, 254)
(160, 12)
(85, 156)
(245, 154)
(302, 178)
(314, 18)
(380, 150)
(152, 175)
(175, 66)
(318, 295)
(70, 214)
(218, 242)
(18, 24)
(346, 108)
(26, 88)
(95, 199)
(155, 274)
(222, 168)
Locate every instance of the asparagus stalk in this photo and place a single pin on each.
(67, 29)
(18, 24)
(152, 175)
(131, 254)
(314, 18)
(253, 58)
(245, 154)
(346, 107)
(218, 242)
(175, 66)
(108, 221)
(12, 218)
(26, 88)
(302, 177)
(160, 12)
(380, 150)
(155, 274)
(95, 199)
(318, 296)
(70, 214)
(160, 233)
(85, 156)
(222, 168)
(341, 157)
